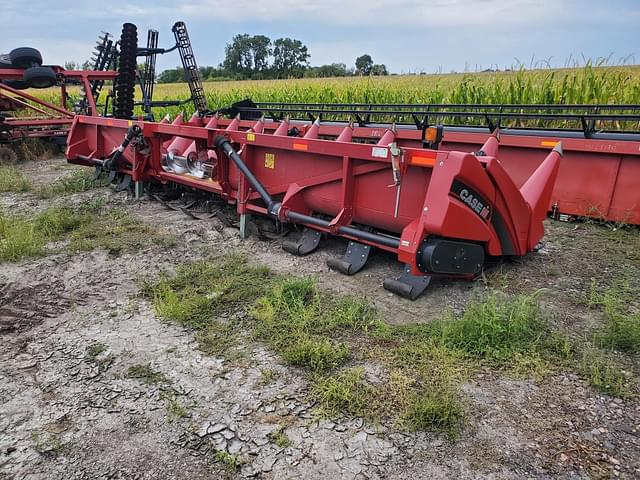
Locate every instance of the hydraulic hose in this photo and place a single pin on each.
(274, 207)
(112, 163)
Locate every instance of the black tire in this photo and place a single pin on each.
(39, 77)
(25, 57)
(126, 80)
(17, 84)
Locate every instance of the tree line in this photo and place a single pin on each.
(257, 57)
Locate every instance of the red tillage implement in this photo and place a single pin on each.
(441, 212)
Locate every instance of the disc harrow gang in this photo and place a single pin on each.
(443, 200)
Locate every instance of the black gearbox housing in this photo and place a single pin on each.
(450, 257)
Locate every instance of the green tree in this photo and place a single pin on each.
(379, 69)
(290, 58)
(172, 75)
(247, 55)
(364, 64)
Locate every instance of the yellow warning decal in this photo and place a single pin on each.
(269, 160)
(130, 123)
(251, 137)
(545, 143)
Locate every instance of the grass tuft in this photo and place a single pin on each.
(621, 329)
(345, 392)
(301, 323)
(200, 291)
(497, 328)
(13, 180)
(147, 374)
(279, 438)
(114, 230)
(603, 373)
(435, 409)
(76, 182)
(230, 462)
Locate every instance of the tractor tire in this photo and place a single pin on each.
(39, 77)
(17, 84)
(5, 61)
(8, 155)
(127, 64)
(25, 57)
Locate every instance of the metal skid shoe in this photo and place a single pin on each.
(407, 285)
(124, 183)
(353, 260)
(307, 243)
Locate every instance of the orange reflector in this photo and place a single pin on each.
(431, 134)
(301, 146)
(424, 159)
(548, 144)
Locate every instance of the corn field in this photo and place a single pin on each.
(611, 85)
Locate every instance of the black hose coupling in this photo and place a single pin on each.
(133, 131)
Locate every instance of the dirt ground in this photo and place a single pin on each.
(65, 414)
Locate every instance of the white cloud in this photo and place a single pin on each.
(376, 14)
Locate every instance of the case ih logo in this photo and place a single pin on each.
(474, 201)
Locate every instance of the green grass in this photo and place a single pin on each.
(26, 237)
(175, 408)
(85, 229)
(497, 328)
(19, 239)
(13, 180)
(420, 368)
(435, 409)
(302, 323)
(346, 392)
(114, 230)
(279, 438)
(147, 374)
(198, 292)
(76, 182)
(619, 304)
(603, 373)
(230, 462)
(94, 350)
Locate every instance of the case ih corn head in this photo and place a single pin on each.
(442, 187)
(23, 115)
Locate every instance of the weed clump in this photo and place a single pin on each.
(84, 228)
(76, 182)
(147, 374)
(345, 392)
(497, 328)
(200, 291)
(302, 323)
(13, 180)
(621, 329)
(603, 373)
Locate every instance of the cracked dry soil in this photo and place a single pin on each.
(68, 414)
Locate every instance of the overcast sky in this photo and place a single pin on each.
(406, 35)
